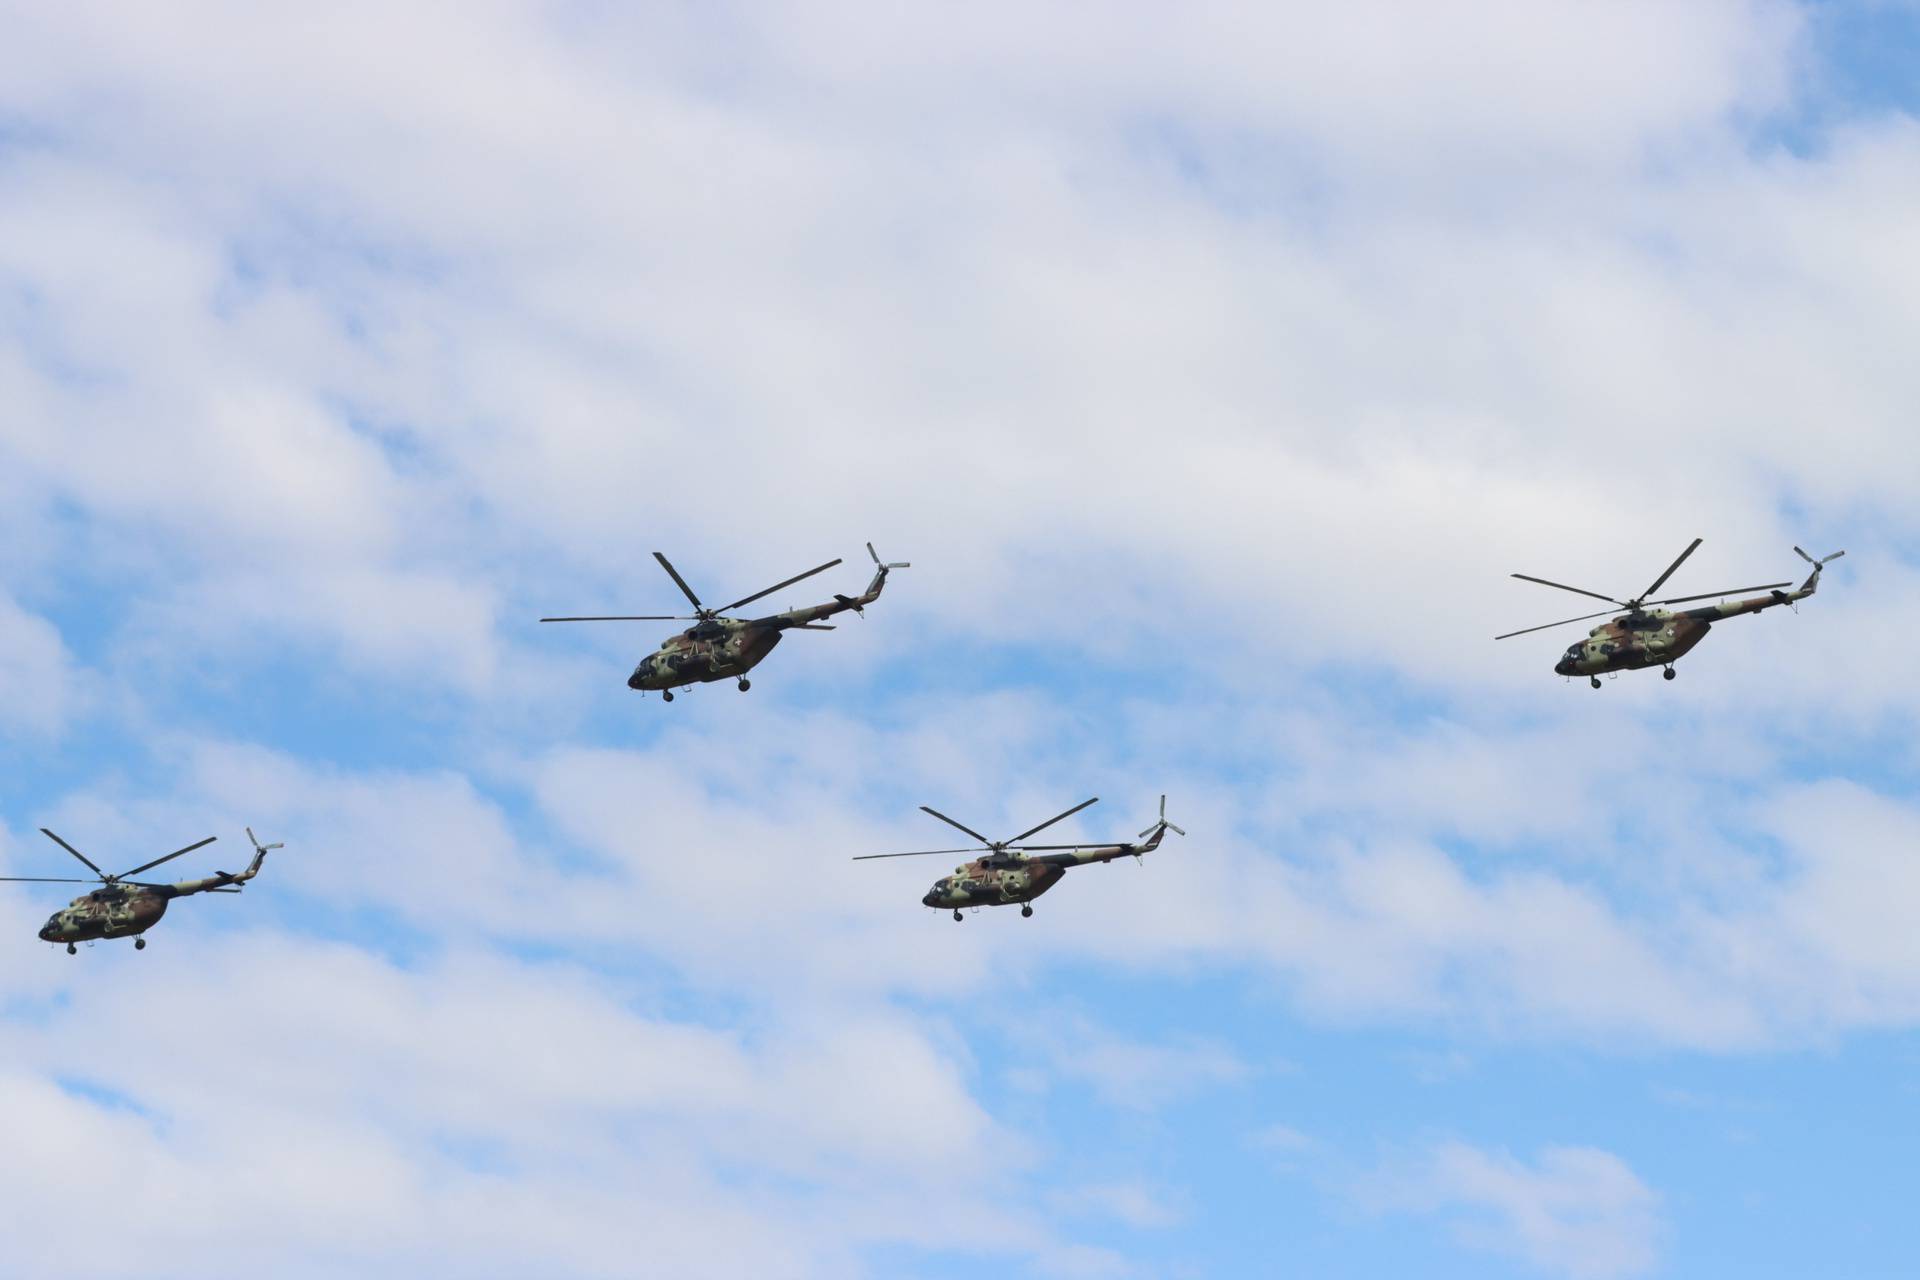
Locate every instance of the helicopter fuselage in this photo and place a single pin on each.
(1650, 638)
(122, 908)
(722, 648)
(1659, 637)
(718, 649)
(117, 911)
(1004, 879)
(993, 882)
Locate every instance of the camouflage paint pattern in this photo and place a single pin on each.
(727, 648)
(1659, 637)
(1003, 879)
(126, 910)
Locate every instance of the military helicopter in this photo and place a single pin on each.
(1007, 875)
(718, 648)
(1654, 637)
(122, 908)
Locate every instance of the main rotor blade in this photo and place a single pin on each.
(45, 880)
(145, 866)
(1050, 821)
(1563, 622)
(75, 852)
(950, 822)
(812, 626)
(679, 581)
(629, 617)
(917, 853)
(776, 586)
(1708, 595)
(1670, 568)
(1579, 591)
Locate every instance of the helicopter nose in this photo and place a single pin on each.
(1564, 667)
(928, 899)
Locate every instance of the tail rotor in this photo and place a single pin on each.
(1162, 824)
(260, 852)
(1821, 562)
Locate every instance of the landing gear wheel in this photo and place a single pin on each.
(957, 918)
(745, 684)
(139, 944)
(1026, 908)
(666, 695)
(72, 950)
(1594, 681)
(1668, 674)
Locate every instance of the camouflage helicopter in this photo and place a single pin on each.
(718, 648)
(1007, 875)
(1654, 637)
(123, 908)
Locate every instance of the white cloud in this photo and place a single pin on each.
(353, 1112)
(1130, 1073)
(1130, 1203)
(41, 685)
(1575, 1211)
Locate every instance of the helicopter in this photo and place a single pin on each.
(1654, 637)
(123, 908)
(1007, 875)
(719, 648)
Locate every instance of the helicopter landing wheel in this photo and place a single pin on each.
(139, 944)
(957, 917)
(666, 695)
(72, 950)
(1026, 909)
(1594, 681)
(745, 684)
(1668, 674)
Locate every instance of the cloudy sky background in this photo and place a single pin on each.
(1213, 365)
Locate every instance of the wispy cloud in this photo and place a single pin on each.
(1573, 1211)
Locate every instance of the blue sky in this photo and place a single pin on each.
(1214, 369)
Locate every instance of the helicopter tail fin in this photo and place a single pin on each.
(1812, 584)
(1155, 833)
(880, 570)
(260, 852)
